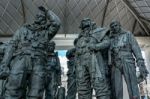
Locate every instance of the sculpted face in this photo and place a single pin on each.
(85, 23)
(40, 18)
(115, 27)
(51, 47)
(94, 26)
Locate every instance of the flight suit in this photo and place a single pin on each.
(27, 57)
(90, 66)
(125, 52)
(53, 78)
(71, 74)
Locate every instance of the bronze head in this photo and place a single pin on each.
(115, 26)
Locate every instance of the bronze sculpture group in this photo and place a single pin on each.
(100, 57)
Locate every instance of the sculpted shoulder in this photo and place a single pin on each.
(99, 29)
(23, 28)
(100, 33)
(127, 34)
